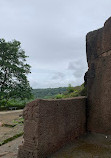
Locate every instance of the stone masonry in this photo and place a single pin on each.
(98, 49)
(50, 124)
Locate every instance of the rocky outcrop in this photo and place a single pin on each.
(98, 49)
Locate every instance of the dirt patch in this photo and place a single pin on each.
(12, 125)
(10, 149)
(10, 118)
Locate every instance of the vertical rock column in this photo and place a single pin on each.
(98, 49)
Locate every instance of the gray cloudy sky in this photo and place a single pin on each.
(52, 33)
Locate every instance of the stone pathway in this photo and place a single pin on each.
(10, 118)
(10, 149)
(89, 146)
(10, 112)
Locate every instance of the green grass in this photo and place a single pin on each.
(73, 92)
(8, 125)
(11, 138)
(19, 121)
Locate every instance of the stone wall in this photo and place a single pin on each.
(50, 124)
(98, 49)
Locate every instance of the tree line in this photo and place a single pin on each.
(14, 85)
(13, 72)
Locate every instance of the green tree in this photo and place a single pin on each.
(13, 71)
(70, 89)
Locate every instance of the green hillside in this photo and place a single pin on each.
(58, 93)
(73, 92)
(48, 92)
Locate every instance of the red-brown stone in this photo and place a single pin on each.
(50, 124)
(99, 79)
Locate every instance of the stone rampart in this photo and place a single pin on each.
(98, 49)
(50, 124)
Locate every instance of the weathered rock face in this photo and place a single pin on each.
(50, 124)
(98, 49)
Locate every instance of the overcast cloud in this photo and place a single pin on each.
(52, 33)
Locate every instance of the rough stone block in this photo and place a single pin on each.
(50, 124)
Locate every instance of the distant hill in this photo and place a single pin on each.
(73, 92)
(48, 92)
(58, 93)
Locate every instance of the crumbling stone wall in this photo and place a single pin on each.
(50, 124)
(98, 49)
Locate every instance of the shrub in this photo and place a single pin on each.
(59, 96)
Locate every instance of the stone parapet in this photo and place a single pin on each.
(51, 124)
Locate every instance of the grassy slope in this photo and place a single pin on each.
(48, 92)
(73, 92)
(61, 92)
